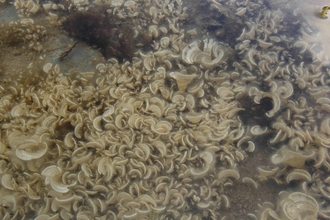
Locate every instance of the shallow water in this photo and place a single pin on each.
(164, 110)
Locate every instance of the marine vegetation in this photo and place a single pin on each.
(106, 32)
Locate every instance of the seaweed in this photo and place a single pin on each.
(124, 47)
(107, 32)
(224, 27)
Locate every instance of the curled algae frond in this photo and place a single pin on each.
(182, 80)
(208, 159)
(299, 206)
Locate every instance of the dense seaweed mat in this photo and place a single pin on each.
(209, 109)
